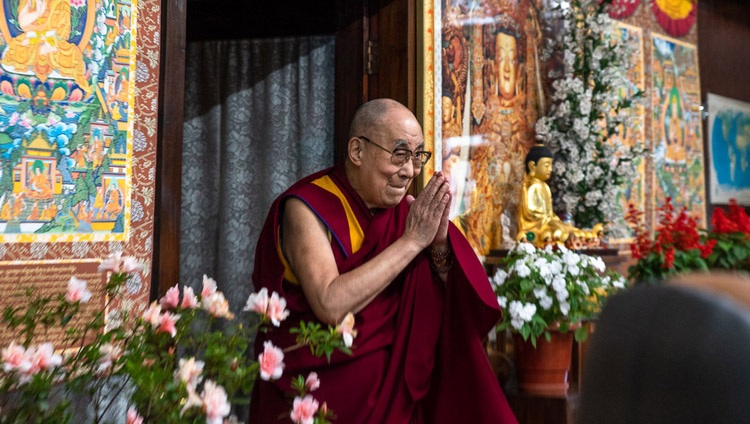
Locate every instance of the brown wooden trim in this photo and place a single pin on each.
(351, 85)
(166, 260)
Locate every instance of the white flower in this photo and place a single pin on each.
(502, 301)
(571, 258)
(528, 311)
(574, 270)
(555, 267)
(558, 284)
(540, 293)
(526, 248)
(619, 283)
(584, 287)
(522, 270)
(546, 302)
(562, 295)
(565, 308)
(499, 278)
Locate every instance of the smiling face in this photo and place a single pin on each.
(380, 183)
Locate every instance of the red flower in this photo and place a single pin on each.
(668, 258)
(707, 249)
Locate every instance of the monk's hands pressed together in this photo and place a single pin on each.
(427, 222)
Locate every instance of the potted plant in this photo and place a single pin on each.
(547, 293)
(676, 247)
(728, 241)
(679, 245)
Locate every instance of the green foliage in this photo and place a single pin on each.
(321, 342)
(140, 357)
(551, 287)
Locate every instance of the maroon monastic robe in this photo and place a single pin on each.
(418, 356)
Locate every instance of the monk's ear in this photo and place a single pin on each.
(354, 150)
(530, 166)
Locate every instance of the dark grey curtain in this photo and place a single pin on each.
(258, 116)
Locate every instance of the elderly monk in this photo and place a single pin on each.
(350, 239)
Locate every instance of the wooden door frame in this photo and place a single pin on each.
(166, 253)
(361, 22)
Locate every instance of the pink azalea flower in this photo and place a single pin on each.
(190, 371)
(215, 403)
(193, 400)
(77, 291)
(69, 114)
(257, 302)
(304, 409)
(312, 382)
(25, 122)
(134, 417)
(216, 304)
(171, 299)
(271, 362)
(51, 120)
(43, 357)
(111, 353)
(152, 315)
(112, 263)
(14, 358)
(346, 329)
(209, 286)
(189, 301)
(168, 323)
(14, 118)
(277, 311)
(130, 265)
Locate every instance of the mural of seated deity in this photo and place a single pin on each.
(43, 53)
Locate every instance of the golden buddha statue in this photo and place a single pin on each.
(537, 221)
(43, 46)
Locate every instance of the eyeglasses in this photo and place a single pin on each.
(399, 157)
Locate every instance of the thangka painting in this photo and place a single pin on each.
(485, 86)
(729, 149)
(676, 126)
(66, 103)
(633, 191)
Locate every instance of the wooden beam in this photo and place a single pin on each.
(351, 80)
(166, 259)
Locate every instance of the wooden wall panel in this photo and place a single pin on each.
(724, 56)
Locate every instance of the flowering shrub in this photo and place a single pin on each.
(538, 288)
(680, 245)
(171, 363)
(587, 108)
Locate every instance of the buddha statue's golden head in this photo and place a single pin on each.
(539, 162)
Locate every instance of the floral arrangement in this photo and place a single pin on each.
(171, 363)
(679, 245)
(729, 239)
(587, 108)
(676, 247)
(542, 287)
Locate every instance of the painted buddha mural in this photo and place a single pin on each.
(40, 44)
(504, 107)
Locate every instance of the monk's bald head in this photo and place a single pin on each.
(373, 115)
